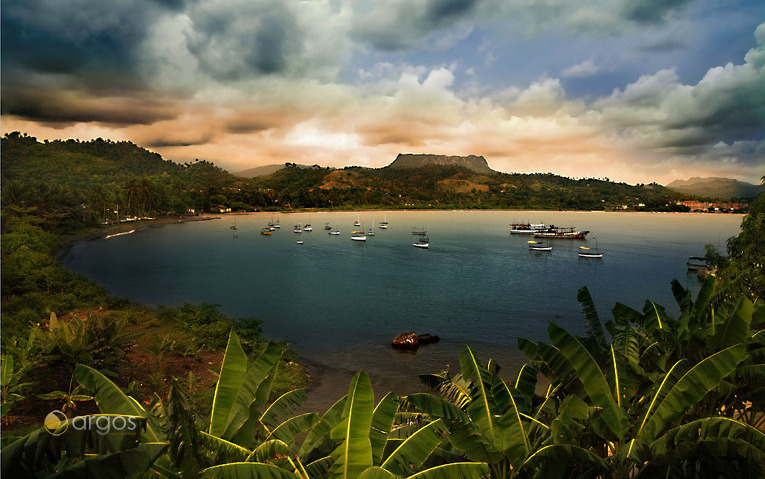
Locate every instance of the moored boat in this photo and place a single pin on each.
(537, 246)
(561, 233)
(422, 242)
(358, 236)
(527, 228)
(384, 224)
(334, 232)
(265, 231)
(585, 252)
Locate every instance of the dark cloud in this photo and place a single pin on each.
(68, 107)
(233, 44)
(652, 11)
(393, 29)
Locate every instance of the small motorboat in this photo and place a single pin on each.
(585, 252)
(334, 232)
(265, 231)
(537, 246)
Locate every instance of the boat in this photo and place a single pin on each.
(561, 233)
(537, 246)
(299, 240)
(266, 231)
(371, 232)
(384, 223)
(334, 232)
(277, 225)
(298, 228)
(585, 252)
(307, 227)
(422, 242)
(696, 263)
(527, 228)
(357, 222)
(358, 236)
(327, 227)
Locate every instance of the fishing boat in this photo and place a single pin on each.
(358, 236)
(266, 231)
(537, 246)
(527, 228)
(561, 233)
(384, 223)
(422, 242)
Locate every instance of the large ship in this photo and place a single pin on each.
(561, 233)
(527, 228)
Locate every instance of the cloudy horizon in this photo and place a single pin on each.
(636, 92)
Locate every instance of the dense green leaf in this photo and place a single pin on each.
(382, 421)
(354, 454)
(413, 452)
(230, 380)
(690, 389)
(246, 470)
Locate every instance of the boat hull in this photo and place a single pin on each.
(421, 245)
(540, 248)
(590, 255)
(562, 235)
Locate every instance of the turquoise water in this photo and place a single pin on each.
(340, 302)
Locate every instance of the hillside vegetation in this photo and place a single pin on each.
(108, 177)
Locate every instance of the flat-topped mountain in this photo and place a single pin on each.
(471, 162)
(716, 187)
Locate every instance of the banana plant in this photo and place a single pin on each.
(352, 440)
(503, 423)
(68, 451)
(632, 403)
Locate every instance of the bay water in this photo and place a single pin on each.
(340, 302)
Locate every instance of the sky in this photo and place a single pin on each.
(633, 91)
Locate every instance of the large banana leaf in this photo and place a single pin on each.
(455, 470)
(255, 388)
(317, 441)
(560, 460)
(118, 464)
(246, 470)
(709, 429)
(294, 426)
(377, 472)
(354, 454)
(111, 400)
(283, 407)
(382, 421)
(592, 378)
(511, 432)
(594, 328)
(415, 449)
(436, 407)
(690, 389)
(481, 408)
(735, 330)
(268, 451)
(232, 373)
(223, 449)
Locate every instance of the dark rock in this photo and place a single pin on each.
(410, 341)
(471, 162)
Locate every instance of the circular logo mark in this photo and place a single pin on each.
(56, 423)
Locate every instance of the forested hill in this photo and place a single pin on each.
(97, 162)
(437, 186)
(100, 177)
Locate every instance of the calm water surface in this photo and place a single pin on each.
(340, 302)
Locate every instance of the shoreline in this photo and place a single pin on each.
(100, 232)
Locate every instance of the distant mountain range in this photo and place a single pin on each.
(716, 187)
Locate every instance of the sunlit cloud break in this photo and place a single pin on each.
(598, 90)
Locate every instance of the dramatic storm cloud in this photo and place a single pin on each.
(635, 91)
